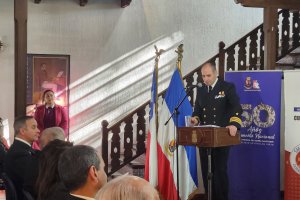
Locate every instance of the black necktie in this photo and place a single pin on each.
(209, 89)
(49, 109)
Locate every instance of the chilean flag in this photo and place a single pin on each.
(166, 149)
(151, 153)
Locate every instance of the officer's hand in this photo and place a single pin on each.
(232, 130)
(194, 121)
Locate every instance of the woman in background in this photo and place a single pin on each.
(50, 115)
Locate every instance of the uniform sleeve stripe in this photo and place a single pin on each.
(236, 119)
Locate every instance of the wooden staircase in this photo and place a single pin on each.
(245, 54)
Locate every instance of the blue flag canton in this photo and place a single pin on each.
(174, 95)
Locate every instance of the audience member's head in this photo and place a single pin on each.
(128, 188)
(48, 176)
(81, 169)
(26, 128)
(50, 134)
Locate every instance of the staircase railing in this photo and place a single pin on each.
(245, 54)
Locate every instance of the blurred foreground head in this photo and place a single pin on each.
(128, 187)
(50, 134)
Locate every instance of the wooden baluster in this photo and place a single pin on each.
(163, 94)
(261, 49)
(141, 131)
(296, 29)
(221, 59)
(199, 80)
(104, 145)
(128, 138)
(230, 59)
(189, 81)
(242, 55)
(253, 50)
(199, 76)
(285, 32)
(213, 61)
(115, 147)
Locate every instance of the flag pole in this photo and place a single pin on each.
(179, 51)
(151, 153)
(175, 113)
(157, 57)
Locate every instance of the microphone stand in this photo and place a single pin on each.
(176, 113)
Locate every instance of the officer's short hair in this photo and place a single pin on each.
(20, 122)
(74, 164)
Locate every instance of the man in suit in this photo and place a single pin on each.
(20, 154)
(81, 170)
(217, 103)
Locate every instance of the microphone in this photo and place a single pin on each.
(199, 85)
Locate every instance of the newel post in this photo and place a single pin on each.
(221, 59)
(104, 146)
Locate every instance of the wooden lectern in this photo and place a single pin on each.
(206, 137)
(209, 137)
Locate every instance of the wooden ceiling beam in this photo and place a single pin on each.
(284, 4)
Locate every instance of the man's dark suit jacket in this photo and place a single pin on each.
(63, 196)
(60, 192)
(17, 163)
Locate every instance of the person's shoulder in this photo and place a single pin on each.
(19, 146)
(58, 106)
(40, 107)
(63, 195)
(226, 84)
(202, 88)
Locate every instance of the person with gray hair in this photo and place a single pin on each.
(50, 134)
(81, 169)
(128, 187)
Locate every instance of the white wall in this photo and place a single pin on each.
(7, 84)
(101, 32)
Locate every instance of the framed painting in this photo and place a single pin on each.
(47, 71)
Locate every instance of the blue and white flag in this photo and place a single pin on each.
(167, 167)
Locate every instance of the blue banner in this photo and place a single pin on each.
(254, 166)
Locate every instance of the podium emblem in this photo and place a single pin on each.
(194, 136)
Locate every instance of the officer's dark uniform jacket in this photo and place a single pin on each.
(219, 107)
